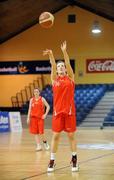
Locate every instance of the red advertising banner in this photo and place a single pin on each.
(100, 65)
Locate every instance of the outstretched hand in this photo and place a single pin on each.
(63, 46)
(50, 54)
(47, 52)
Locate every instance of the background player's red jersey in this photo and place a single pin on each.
(37, 108)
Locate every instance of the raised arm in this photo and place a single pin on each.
(67, 60)
(53, 63)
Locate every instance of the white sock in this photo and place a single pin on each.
(38, 144)
(53, 156)
(74, 153)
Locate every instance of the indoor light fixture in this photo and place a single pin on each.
(96, 29)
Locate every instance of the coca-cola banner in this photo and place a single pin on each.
(100, 65)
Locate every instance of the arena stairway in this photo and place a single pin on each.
(97, 115)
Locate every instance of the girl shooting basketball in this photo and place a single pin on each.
(64, 117)
(36, 116)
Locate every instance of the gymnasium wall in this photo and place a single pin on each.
(82, 45)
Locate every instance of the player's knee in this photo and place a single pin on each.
(56, 137)
(71, 136)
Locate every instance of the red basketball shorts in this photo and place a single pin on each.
(64, 122)
(36, 125)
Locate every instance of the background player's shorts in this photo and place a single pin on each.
(64, 122)
(36, 125)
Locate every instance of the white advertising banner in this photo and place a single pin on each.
(15, 121)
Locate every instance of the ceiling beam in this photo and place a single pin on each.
(88, 8)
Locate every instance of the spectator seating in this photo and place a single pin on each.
(86, 97)
(109, 119)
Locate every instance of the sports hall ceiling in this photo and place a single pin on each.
(18, 15)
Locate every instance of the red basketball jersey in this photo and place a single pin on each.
(63, 94)
(37, 108)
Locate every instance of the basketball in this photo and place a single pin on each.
(46, 20)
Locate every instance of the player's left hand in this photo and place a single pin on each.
(63, 46)
(44, 116)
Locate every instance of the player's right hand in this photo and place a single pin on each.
(47, 52)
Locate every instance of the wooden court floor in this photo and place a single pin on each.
(20, 161)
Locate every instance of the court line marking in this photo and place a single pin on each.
(95, 158)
